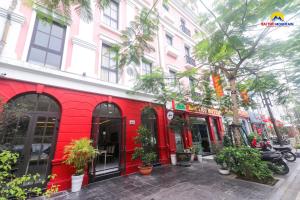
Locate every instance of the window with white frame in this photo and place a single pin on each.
(111, 14)
(146, 67)
(172, 78)
(169, 39)
(165, 6)
(187, 51)
(109, 68)
(47, 44)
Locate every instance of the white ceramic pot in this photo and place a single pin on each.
(192, 157)
(224, 171)
(199, 157)
(76, 183)
(173, 159)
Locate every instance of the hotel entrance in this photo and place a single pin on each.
(108, 138)
(200, 134)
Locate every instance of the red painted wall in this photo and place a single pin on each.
(76, 119)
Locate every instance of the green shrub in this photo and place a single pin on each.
(245, 162)
(79, 153)
(145, 151)
(227, 141)
(12, 187)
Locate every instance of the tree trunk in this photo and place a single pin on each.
(273, 120)
(235, 111)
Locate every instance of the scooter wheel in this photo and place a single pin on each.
(281, 168)
(289, 156)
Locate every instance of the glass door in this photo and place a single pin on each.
(32, 136)
(107, 139)
(41, 145)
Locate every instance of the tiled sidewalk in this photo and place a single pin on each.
(172, 182)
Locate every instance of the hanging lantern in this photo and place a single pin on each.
(217, 85)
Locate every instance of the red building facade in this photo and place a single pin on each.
(75, 122)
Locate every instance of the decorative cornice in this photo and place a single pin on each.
(84, 44)
(14, 16)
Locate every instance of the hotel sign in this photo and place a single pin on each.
(204, 110)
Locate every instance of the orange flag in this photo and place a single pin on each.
(217, 84)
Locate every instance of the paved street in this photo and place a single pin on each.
(189, 183)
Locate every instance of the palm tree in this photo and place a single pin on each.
(82, 7)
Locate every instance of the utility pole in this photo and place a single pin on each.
(268, 104)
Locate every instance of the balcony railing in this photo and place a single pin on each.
(186, 30)
(190, 60)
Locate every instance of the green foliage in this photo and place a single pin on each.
(269, 84)
(79, 153)
(198, 149)
(245, 162)
(63, 7)
(137, 37)
(253, 135)
(145, 151)
(11, 186)
(177, 123)
(227, 141)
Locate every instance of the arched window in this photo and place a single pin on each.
(29, 128)
(107, 110)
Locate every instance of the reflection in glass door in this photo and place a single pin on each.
(178, 140)
(42, 138)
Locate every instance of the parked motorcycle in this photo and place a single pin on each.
(275, 162)
(286, 151)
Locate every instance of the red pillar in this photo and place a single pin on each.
(211, 129)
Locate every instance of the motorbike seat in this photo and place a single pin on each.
(270, 155)
(282, 148)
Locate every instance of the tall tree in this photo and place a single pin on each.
(236, 37)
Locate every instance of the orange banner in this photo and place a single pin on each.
(217, 85)
(244, 96)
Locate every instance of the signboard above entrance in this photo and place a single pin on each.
(203, 110)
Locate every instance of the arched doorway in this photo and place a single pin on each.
(30, 128)
(108, 136)
(149, 120)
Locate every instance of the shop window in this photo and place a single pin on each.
(111, 14)
(109, 69)
(146, 67)
(47, 44)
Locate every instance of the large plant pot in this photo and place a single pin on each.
(145, 170)
(173, 159)
(192, 157)
(76, 183)
(200, 158)
(224, 171)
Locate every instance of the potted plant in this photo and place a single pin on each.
(192, 150)
(144, 151)
(198, 152)
(173, 159)
(78, 154)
